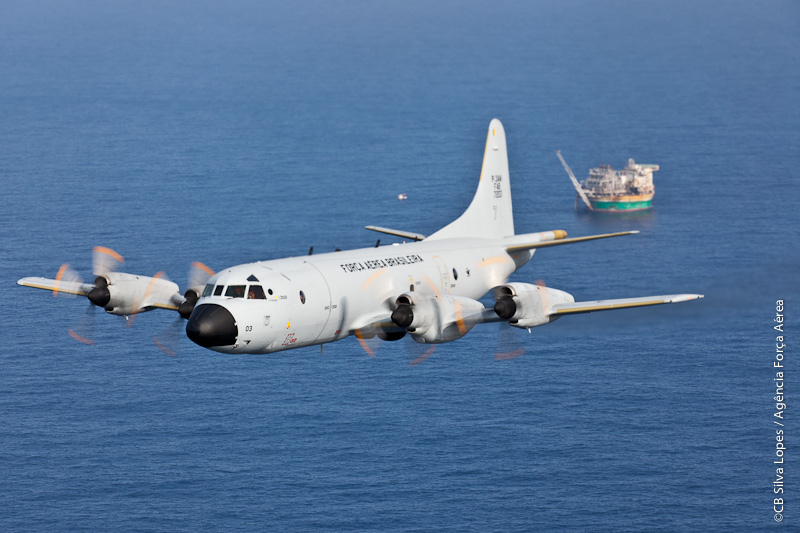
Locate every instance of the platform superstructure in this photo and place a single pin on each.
(609, 190)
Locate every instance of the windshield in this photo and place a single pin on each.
(235, 291)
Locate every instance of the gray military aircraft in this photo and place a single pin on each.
(427, 288)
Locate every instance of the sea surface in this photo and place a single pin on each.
(228, 132)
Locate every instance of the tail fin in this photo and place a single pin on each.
(489, 215)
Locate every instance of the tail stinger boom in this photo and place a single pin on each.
(490, 214)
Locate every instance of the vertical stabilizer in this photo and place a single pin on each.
(489, 215)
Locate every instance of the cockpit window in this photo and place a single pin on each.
(235, 291)
(218, 290)
(208, 290)
(256, 292)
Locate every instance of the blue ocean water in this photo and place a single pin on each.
(234, 132)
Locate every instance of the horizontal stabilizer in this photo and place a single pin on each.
(398, 233)
(57, 286)
(517, 246)
(622, 303)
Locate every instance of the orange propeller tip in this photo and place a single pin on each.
(423, 357)
(163, 347)
(82, 340)
(109, 252)
(204, 268)
(362, 341)
(507, 356)
(60, 275)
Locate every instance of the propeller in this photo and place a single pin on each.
(510, 343)
(105, 260)
(198, 277)
(401, 310)
(69, 283)
(402, 315)
(370, 337)
(167, 340)
(83, 330)
(417, 352)
(127, 295)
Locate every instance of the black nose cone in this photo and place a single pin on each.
(212, 325)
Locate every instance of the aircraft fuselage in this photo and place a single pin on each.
(300, 301)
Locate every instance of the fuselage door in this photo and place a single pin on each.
(444, 274)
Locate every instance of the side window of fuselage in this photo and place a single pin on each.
(208, 290)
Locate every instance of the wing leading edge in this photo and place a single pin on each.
(621, 303)
(57, 286)
(532, 241)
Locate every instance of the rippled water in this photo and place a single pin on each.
(247, 131)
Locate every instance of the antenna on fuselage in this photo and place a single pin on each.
(378, 243)
(311, 251)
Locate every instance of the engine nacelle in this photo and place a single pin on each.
(416, 313)
(526, 306)
(190, 300)
(435, 319)
(125, 294)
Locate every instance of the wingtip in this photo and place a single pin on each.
(496, 126)
(686, 298)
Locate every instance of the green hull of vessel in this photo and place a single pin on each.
(622, 206)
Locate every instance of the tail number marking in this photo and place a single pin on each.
(497, 181)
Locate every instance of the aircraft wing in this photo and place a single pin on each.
(164, 305)
(57, 286)
(531, 241)
(382, 320)
(622, 303)
(398, 233)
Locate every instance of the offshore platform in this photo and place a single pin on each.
(615, 191)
